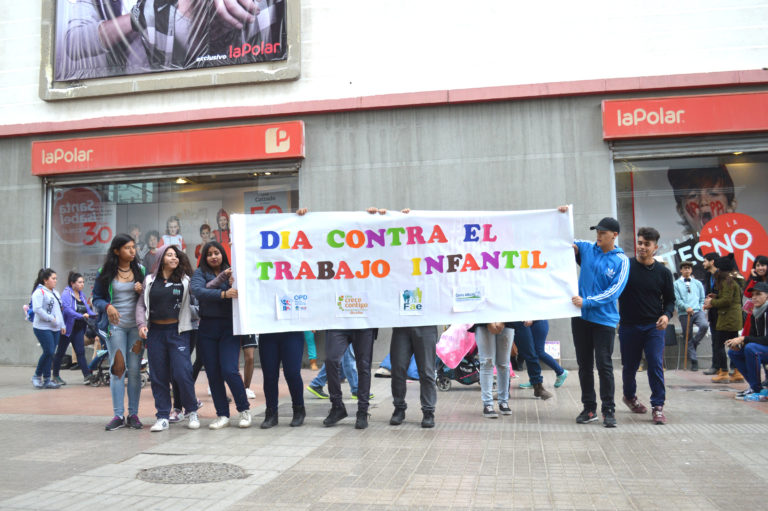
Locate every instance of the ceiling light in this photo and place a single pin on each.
(267, 173)
(738, 153)
(182, 181)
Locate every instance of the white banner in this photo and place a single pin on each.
(356, 270)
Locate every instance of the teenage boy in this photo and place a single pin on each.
(709, 288)
(689, 300)
(604, 272)
(750, 351)
(645, 307)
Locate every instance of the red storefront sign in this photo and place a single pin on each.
(685, 115)
(169, 148)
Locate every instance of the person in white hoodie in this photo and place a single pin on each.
(48, 325)
(164, 319)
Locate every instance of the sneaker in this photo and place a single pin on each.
(370, 396)
(658, 416)
(540, 392)
(526, 385)
(134, 422)
(755, 396)
(710, 371)
(220, 422)
(88, 380)
(586, 416)
(117, 422)
(249, 393)
(160, 425)
(194, 421)
(209, 391)
(50, 384)
(382, 372)
(362, 420)
(175, 416)
(740, 395)
(489, 412)
(37, 381)
(199, 405)
(335, 415)
(398, 417)
(428, 420)
(74, 367)
(244, 420)
(505, 409)
(736, 377)
(58, 380)
(317, 391)
(609, 419)
(634, 404)
(561, 379)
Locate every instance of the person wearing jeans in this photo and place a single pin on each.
(348, 371)
(76, 311)
(539, 330)
(604, 272)
(494, 346)
(750, 351)
(336, 343)
(689, 300)
(286, 348)
(526, 350)
(419, 342)
(48, 325)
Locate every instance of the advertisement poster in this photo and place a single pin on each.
(81, 219)
(266, 202)
(357, 270)
(102, 38)
(705, 209)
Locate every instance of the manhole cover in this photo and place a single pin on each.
(192, 473)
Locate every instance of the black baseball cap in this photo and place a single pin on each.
(607, 224)
(761, 287)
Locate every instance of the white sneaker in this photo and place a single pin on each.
(245, 419)
(220, 422)
(160, 425)
(209, 391)
(194, 422)
(250, 394)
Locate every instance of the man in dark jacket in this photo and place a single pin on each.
(750, 351)
(709, 288)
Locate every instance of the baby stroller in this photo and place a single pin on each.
(466, 373)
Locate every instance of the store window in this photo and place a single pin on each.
(698, 205)
(180, 210)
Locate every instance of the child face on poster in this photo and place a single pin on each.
(205, 234)
(173, 227)
(223, 222)
(701, 195)
(702, 205)
(152, 241)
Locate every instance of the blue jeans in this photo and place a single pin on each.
(539, 331)
(286, 348)
(122, 340)
(76, 339)
(524, 342)
(748, 361)
(221, 357)
(168, 353)
(48, 340)
(309, 338)
(494, 350)
(347, 370)
(633, 341)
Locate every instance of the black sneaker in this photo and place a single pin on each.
(505, 409)
(335, 415)
(609, 419)
(370, 396)
(117, 422)
(398, 416)
(489, 412)
(586, 416)
(134, 422)
(362, 420)
(428, 420)
(317, 391)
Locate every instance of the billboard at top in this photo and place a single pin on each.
(103, 38)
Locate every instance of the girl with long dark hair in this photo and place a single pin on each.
(115, 295)
(729, 317)
(76, 313)
(218, 346)
(164, 319)
(48, 325)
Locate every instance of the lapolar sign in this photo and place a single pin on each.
(81, 218)
(356, 270)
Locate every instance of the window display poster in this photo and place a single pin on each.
(82, 219)
(154, 36)
(266, 202)
(700, 210)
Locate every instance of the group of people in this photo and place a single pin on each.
(161, 308)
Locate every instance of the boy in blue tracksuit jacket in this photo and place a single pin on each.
(604, 273)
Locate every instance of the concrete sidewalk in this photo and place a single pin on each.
(711, 455)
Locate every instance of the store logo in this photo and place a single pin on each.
(652, 117)
(412, 299)
(59, 154)
(276, 140)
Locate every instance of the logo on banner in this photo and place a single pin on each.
(467, 299)
(291, 306)
(411, 302)
(352, 305)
